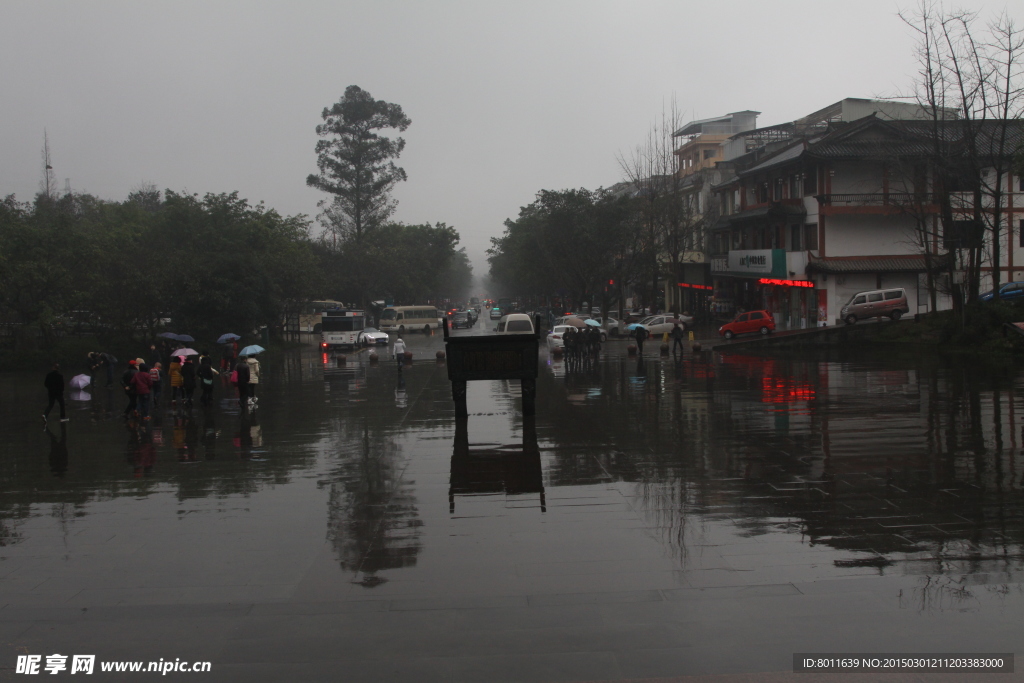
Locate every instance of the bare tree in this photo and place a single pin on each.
(969, 82)
(668, 223)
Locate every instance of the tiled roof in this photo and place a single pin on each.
(909, 263)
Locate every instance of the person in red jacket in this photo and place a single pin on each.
(142, 382)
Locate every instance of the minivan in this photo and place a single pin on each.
(515, 323)
(875, 304)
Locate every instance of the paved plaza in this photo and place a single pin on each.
(707, 518)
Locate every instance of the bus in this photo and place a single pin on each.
(410, 318)
(339, 327)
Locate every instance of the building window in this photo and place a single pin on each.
(763, 199)
(794, 187)
(1020, 183)
(778, 189)
(810, 182)
(811, 237)
(1020, 232)
(797, 229)
(709, 154)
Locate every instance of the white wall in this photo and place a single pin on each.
(869, 235)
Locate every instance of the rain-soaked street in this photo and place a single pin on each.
(657, 518)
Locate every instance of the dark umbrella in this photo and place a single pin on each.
(227, 337)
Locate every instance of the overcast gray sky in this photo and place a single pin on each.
(506, 98)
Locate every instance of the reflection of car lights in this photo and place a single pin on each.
(325, 359)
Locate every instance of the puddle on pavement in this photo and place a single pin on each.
(354, 481)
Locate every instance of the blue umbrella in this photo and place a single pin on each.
(168, 335)
(592, 322)
(227, 337)
(185, 338)
(633, 326)
(251, 350)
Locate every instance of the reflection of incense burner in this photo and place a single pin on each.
(508, 469)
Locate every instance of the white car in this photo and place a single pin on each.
(554, 338)
(371, 336)
(660, 324)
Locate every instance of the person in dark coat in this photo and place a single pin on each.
(188, 379)
(54, 384)
(677, 338)
(129, 389)
(640, 334)
(242, 370)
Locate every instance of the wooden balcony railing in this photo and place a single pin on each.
(877, 199)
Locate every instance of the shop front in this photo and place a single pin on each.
(756, 279)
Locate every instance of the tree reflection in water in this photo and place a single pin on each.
(372, 520)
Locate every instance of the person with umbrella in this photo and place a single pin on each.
(174, 371)
(188, 379)
(54, 384)
(254, 378)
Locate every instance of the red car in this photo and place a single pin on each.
(752, 321)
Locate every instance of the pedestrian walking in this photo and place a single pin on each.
(242, 382)
(399, 351)
(142, 383)
(640, 334)
(174, 371)
(677, 338)
(188, 380)
(129, 389)
(254, 379)
(157, 385)
(206, 373)
(54, 383)
(107, 363)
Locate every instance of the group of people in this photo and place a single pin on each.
(143, 382)
(581, 342)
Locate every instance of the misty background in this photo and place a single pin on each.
(505, 98)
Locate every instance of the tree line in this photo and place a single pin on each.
(202, 265)
(216, 263)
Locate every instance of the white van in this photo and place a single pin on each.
(515, 323)
(876, 303)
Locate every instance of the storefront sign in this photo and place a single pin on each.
(689, 286)
(786, 283)
(751, 261)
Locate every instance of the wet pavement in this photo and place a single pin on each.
(711, 515)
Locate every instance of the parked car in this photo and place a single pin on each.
(752, 321)
(874, 304)
(554, 338)
(1011, 290)
(515, 323)
(461, 319)
(371, 336)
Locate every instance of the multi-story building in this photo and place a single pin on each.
(848, 200)
(703, 144)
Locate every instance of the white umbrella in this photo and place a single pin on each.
(184, 353)
(80, 381)
(80, 395)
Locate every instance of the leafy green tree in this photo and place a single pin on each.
(357, 163)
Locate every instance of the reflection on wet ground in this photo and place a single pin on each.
(711, 514)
